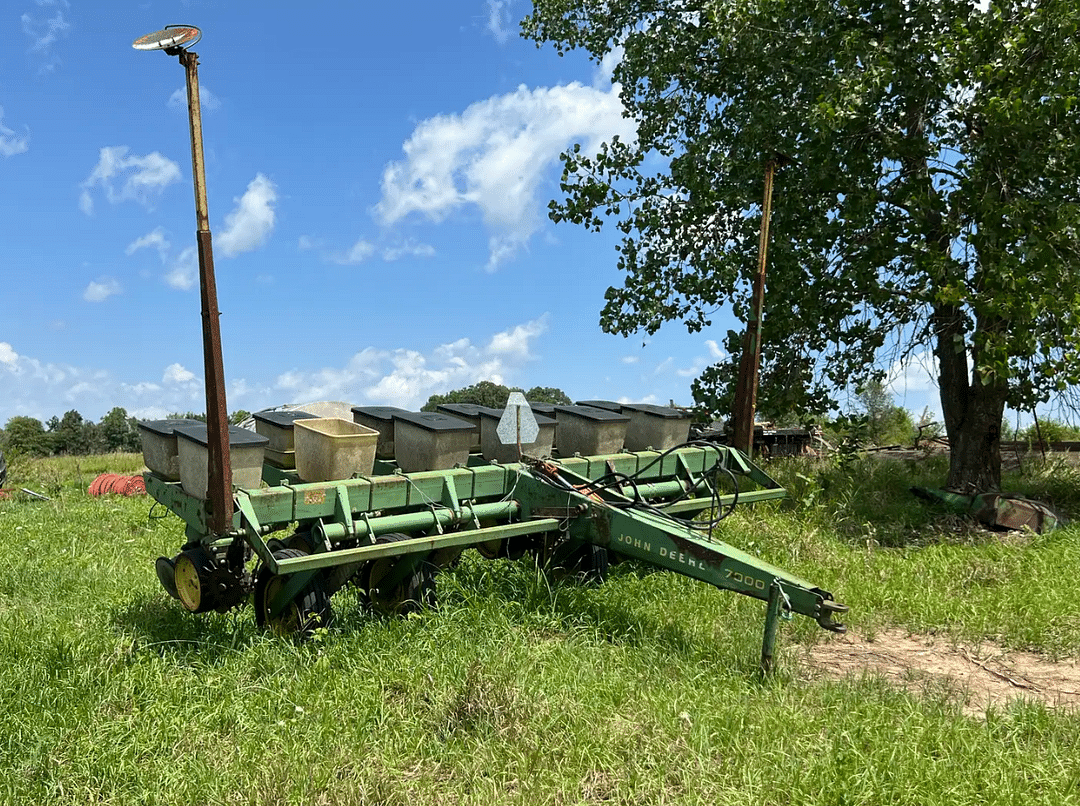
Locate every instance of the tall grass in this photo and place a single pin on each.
(516, 689)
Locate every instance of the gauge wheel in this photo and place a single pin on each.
(192, 571)
(492, 549)
(415, 592)
(166, 574)
(309, 609)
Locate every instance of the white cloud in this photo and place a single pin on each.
(155, 239)
(140, 388)
(498, 21)
(516, 342)
(360, 251)
(364, 250)
(608, 62)
(408, 249)
(305, 242)
(10, 143)
(44, 31)
(406, 377)
(9, 359)
(715, 353)
(144, 178)
(208, 102)
(630, 359)
(249, 225)
(101, 290)
(916, 373)
(41, 389)
(495, 156)
(176, 373)
(184, 272)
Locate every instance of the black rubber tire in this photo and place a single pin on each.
(165, 567)
(309, 610)
(591, 563)
(588, 562)
(415, 592)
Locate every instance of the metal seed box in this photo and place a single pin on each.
(245, 458)
(494, 450)
(159, 446)
(277, 426)
(655, 427)
(330, 448)
(381, 418)
(607, 405)
(430, 440)
(286, 460)
(590, 431)
(547, 410)
(470, 413)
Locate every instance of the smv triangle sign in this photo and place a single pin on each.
(517, 424)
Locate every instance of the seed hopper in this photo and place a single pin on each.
(291, 544)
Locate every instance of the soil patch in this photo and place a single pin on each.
(981, 675)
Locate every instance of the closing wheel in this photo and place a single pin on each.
(414, 591)
(309, 608)
(587, 562)
(192, 571)
(590, 562)
(492, 549)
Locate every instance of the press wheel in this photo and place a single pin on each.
(415, 591)
(308, 610)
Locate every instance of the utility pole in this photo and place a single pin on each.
(750, 361)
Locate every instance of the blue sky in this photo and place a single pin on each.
(378, 178)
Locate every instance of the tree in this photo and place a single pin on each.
(928, 197)
(72, 434)
(239, 416)
(887, 423)
(495, 395)
(186, 415)
(26, 435)
(117, 433)
(547, 394)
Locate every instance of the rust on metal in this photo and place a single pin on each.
(315, 497)
(219, 465)
(174, 36)
(702, 555)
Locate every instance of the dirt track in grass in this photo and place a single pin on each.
(981, 675)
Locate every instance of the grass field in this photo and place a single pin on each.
(515, 690)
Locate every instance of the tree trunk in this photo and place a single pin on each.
(972, 408)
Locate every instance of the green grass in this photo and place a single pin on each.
(517, 690)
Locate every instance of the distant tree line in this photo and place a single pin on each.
(73, 435)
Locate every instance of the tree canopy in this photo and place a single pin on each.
(495, 395)
(929, 198)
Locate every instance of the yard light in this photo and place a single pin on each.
(176, 40)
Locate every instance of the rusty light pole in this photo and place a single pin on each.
(750, 361)
(175, 41)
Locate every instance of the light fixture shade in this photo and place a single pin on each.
(171, 36)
